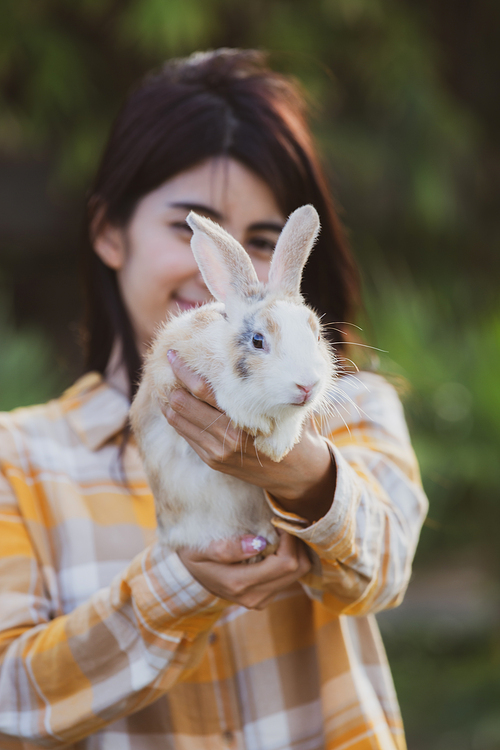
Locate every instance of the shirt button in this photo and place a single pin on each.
(212, 638)
(228, 737)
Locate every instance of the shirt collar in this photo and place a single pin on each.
(96, 411)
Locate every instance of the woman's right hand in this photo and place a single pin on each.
(220, 571)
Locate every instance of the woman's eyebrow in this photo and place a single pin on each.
(199, 209)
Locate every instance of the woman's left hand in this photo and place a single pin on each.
(303, 482)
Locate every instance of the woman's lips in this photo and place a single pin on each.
(186, 304)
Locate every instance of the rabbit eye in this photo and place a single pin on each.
(258, 340)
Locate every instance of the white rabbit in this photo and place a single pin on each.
(261, 349)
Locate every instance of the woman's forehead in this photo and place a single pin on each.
(221, 187)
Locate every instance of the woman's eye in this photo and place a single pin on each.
(261, 245)
(258, 341)
(182, 226)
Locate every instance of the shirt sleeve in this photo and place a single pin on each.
(63, 678)
(363, 548)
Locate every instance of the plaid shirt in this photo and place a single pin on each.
(108, 643)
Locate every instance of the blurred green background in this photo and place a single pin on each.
(404, 101)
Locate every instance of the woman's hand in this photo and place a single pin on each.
(219, 569)
(303, 482)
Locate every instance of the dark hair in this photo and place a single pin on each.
(225, 102)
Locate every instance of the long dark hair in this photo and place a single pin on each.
(221, 103)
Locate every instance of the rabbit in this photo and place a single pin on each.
(261, 349)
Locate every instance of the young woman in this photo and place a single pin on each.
(109, 640)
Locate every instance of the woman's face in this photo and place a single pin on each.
(156, 270)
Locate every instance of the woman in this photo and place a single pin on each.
(107, 639)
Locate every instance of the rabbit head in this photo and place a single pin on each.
(274, 366)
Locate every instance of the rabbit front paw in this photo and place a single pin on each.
(275, 446)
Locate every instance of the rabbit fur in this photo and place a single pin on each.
(256, 386)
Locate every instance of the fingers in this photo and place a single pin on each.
(252, 586)
(231, 551)
(193, 412)
(192, 382)
(214, 444)
(201, 414)
(289, 562)
(212, 431)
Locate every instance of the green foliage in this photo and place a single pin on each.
(391, 130)
(29, 370)
(448, 687)
(154, 26)
(447, 364)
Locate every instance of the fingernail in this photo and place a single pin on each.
(170, 355)
(253, 544)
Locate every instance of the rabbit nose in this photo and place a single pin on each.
(306, 390)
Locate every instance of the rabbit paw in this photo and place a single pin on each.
(275, 446)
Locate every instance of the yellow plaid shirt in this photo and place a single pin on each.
(108, 643)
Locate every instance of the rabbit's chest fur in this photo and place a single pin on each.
(195, 504)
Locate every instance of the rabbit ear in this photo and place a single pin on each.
(292, 250)
(225, 266)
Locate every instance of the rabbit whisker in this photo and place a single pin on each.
(211, 423)
(358, 380)
(345, 424)
(241, 445)
(337, 392)
(322, 421)
(346, 359)
(326, 325)
(258, 457)
(366, 346)
(224, 439)
(339, 330)
(344, 323)
(361, 412)
(246, 441)
(332, 410)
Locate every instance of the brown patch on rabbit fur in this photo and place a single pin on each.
(313, 321)
(184, 334)
(241, 368)
(202, 318)
(271, 324)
